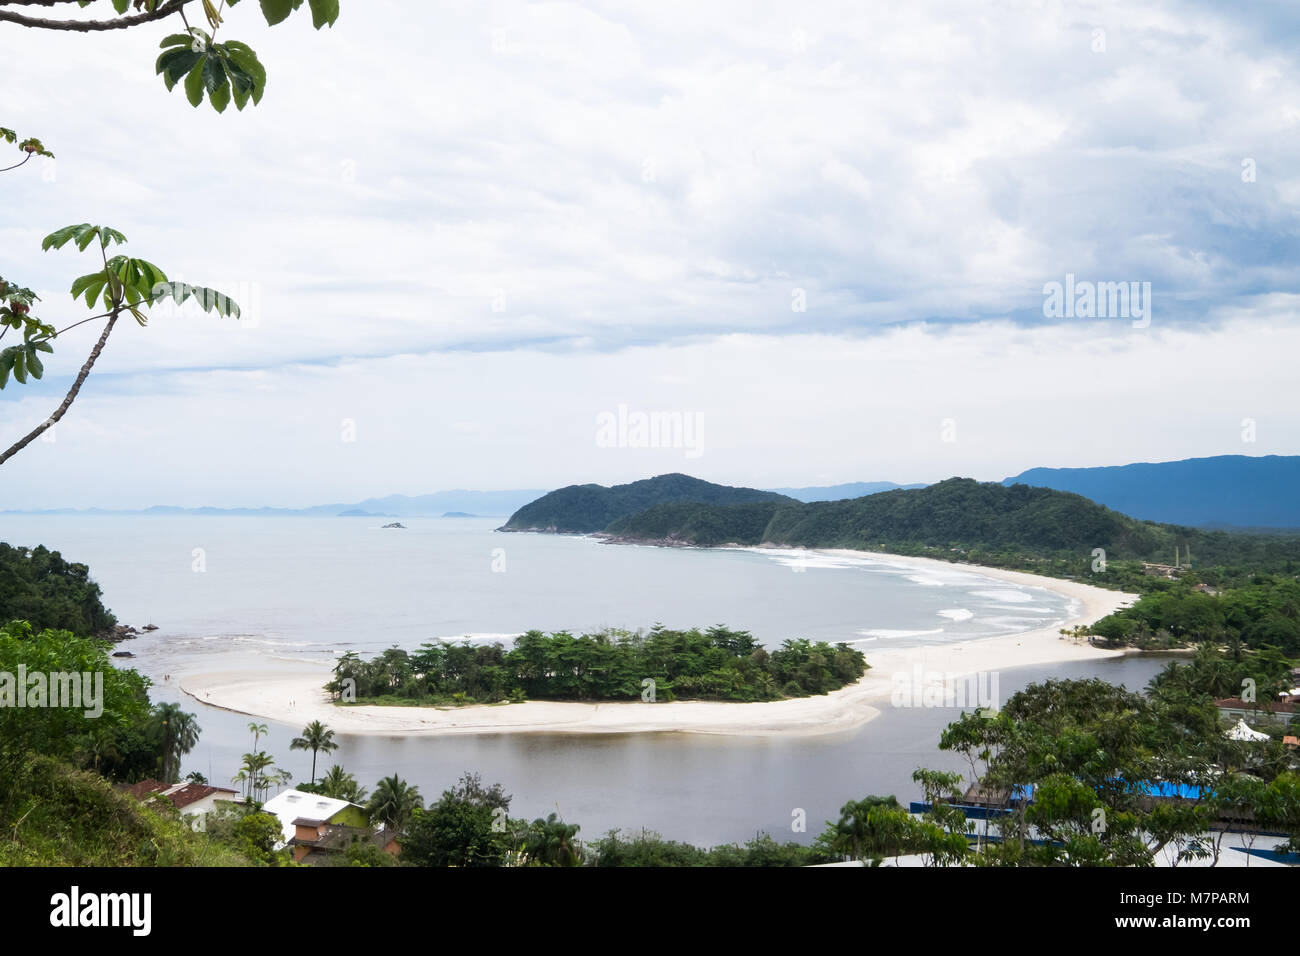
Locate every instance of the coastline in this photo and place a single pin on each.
(297, 698)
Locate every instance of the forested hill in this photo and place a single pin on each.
(957, 514)
(583, 509)
(37, 585)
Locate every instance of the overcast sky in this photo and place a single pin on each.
(462, 232)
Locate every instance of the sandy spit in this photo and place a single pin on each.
(298, 698)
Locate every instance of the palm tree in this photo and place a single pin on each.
(257, 730)
(277, 778)
(251, 771)
(177, 732)
(871, 826)
(341, 785)
(315, 737)
(102, 746)
(552, 842)
(394, 803)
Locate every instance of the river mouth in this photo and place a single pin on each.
(280, 594)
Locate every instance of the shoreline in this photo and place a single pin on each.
(297, 698)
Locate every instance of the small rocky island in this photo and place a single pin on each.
(396, 524)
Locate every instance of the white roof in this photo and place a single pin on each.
(1242, 732)
(292, 804)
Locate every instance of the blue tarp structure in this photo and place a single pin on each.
(1181, 791)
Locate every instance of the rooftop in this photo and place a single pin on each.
(180, 795)
(292, 805)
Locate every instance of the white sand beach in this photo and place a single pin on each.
(297, 698)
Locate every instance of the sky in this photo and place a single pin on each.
(813, 238)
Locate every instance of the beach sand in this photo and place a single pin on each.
(297, 698)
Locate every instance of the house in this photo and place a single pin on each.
(1275, 712)
(314, 841)
(1161, 570)
(314, 825)
(194, 800)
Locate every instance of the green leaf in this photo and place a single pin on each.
(121, 5)
(241, 82)
(194, 84)
(177, 39)
(243, 57)
(60, 237)
(82, 283)
(323, 12)
(150, 275)
(94, 289)
(276, 10)
(220, 97)
(214, 73)
(6, 365)
(20, 365)
(34, 363)
(208, 299)
(216, 82)
(174, 64)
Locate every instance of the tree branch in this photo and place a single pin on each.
(89, 26)
(40, 429)
(16, 165)
(102, 315)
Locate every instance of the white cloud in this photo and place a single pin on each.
(775, 410)
(651, 185)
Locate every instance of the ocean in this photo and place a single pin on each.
(265, 593)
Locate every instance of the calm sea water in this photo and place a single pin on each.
(273, 593)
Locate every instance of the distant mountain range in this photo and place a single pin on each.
(437, 505)
(1227, 491)
(854, 489)
(1224, 491)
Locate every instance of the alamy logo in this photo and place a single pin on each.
(921, 688)
(626, 429)
(76, 690)
(102, 909)
(1098, 300)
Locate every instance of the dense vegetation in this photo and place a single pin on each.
(1093, 752)
(719, 664)
(584, 509)
(1192, 687)
(58, 764)
(57, 815)
(1261, 612)
(470, 826)
(698, 524)
(37, 585)
(1016, 526)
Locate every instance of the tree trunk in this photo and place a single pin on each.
(40, 429)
